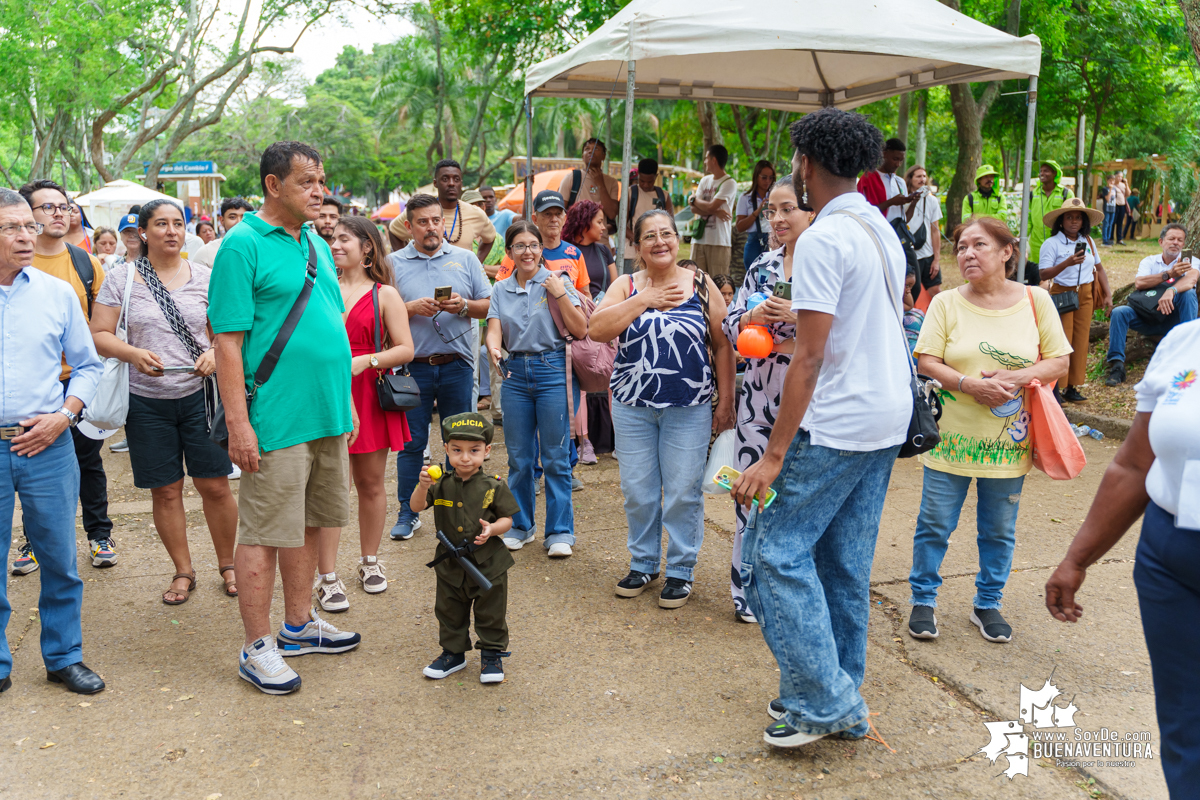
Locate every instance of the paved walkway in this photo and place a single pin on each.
(604, 697)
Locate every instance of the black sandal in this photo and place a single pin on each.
(186, 592)
(228, 591)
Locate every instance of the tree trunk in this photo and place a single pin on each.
(742, 134)
(922, 110)
(1191, 20)
(1088, 177)
(708, 124)
(902, 125)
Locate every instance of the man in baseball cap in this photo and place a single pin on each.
(550, 214)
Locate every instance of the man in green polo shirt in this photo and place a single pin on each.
(291, 441)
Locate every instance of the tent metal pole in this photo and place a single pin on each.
(1027, 188)
(528, 156)
(626, 158)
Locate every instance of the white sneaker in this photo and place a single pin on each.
(317, 636)
(263, 667)
(513, 543)
(331, 593)
(370, 575)
(559, 550)
(237, 473)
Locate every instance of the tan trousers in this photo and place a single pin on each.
(1077, 325)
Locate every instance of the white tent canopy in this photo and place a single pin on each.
(796, 55)
(105, 206)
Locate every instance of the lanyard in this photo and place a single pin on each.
(452, 224)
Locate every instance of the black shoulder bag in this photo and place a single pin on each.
(218, 431)
(396, 392)
(923, 433)
(82, 262)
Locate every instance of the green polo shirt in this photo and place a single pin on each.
(256, 277)
(1039, 206)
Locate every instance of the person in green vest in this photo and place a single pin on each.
(986, 200)
(1048, 195)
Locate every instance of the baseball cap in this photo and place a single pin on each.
(471, 426)
(548, 199)
(128, 221)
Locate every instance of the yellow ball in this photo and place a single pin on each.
(435, 471)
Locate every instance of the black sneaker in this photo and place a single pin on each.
(1116, 373)
(634, 583)
(775, 709)
(675, 593)
(922, 624)
(446, 665)
(492, 670)
(991, 624)
(1072, 395)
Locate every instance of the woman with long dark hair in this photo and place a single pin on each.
(587, 229)
(749, 212)
(370, 298)
(171, 351)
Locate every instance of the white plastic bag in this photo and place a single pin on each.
(723, 454)
(110, 405)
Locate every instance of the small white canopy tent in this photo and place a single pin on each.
(105, 206)
(798, 55)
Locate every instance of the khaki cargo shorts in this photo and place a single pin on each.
(305, 485)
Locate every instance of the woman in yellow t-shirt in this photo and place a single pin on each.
(982, 342)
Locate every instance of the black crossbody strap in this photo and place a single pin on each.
(263, 373)
(375, 304)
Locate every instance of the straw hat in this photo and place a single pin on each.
(1073, 204)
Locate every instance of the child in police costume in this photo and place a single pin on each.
(467, 504)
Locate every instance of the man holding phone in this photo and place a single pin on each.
(1171, 277)
(445, 290)
(883, 188)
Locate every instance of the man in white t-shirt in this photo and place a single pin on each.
(713, 202)
(923, 215)
(846, 405)
(232, 211)
(883, 188)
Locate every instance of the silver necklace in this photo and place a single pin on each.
(166, 284)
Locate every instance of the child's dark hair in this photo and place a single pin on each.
(687, 262)
(721, 281)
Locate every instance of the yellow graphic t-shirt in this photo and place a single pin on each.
(978, 441)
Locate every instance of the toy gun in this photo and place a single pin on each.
(460, 554)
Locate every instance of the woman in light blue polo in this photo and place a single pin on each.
(535, 385)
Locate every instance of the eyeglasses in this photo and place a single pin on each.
(785, 210)
(32, 228)
(442, 336)
(521, 249)
(49, 208)
(650, 238)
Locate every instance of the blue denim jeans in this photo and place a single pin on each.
(1124, 318)
(806, 569)
(49, 487)
(662, 452)
(485, 372)
(942, 496)
(535, 410)
(451, 386)
(1110, 217)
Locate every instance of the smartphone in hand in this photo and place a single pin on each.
(783, 289)
(442, 293)
(1080, 248)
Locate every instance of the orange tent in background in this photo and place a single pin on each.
(388, 212)
(515, 200)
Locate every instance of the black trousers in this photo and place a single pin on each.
(93, 485)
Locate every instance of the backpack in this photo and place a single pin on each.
(661, 202)
(83, 268)
(590, 361)
(907, 243)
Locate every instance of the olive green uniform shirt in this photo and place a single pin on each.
(458, 506)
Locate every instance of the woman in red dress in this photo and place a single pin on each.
(359, 256)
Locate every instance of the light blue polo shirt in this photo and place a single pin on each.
(417, 275)
(525, 318)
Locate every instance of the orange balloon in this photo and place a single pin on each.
(755, 342)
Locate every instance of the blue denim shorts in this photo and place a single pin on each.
(162, 433)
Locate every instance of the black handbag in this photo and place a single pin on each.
(1066, 302)
(923, 434)
(396, 392)
(1145, 302)
(218, 430)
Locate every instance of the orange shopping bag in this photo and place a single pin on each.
(1056, 449)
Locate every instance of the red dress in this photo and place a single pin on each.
(377, 428)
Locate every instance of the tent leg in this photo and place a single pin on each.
(626, 158)
(1026, 192)
(528, 157)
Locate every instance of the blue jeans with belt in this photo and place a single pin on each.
(49, 487)
(806, 570)
(450, 385)
(535, 410)
(1166, 574)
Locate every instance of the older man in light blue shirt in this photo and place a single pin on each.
(41, 323)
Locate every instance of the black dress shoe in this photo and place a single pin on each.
(5, 683)
(77, 677)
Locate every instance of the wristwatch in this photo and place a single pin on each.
(1166, 275)
(464, 311)
(374, 360)
(70, 415)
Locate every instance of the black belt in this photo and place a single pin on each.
(12, 432)
(438, 360)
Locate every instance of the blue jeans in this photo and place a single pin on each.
(662, 452)
(942, 499)
(451, 385)
(49, 487)
(485, 372)
(806, 569)
(1166, 574)
(1124, 318)
(1110, 217)
(535, 411)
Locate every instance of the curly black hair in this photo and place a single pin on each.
(843, 142)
